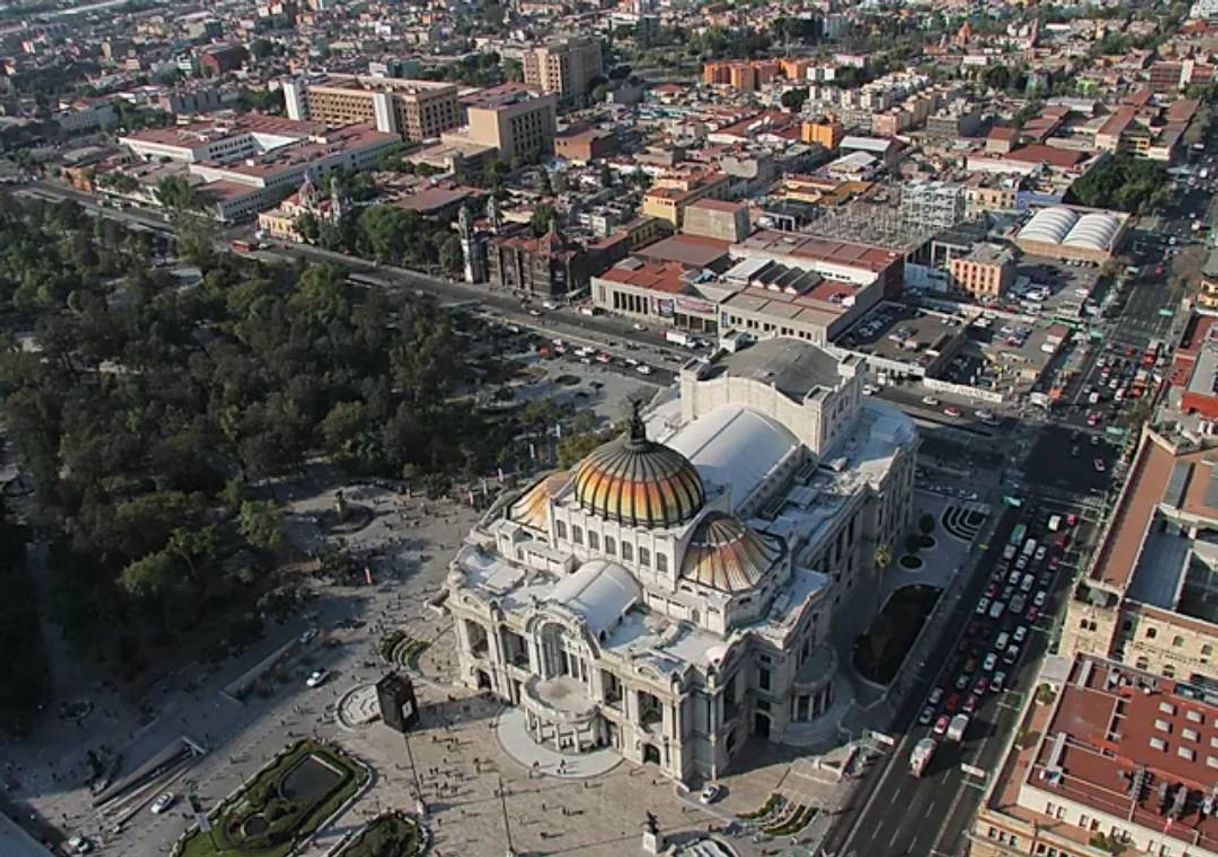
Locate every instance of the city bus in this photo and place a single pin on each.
(1018, 534)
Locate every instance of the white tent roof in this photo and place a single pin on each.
(600, 591)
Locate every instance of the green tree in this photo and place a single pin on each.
(262, 524)
(451, 256)
(926, 524)
(543, 216)
(175, 192)
(793, 99)
(882, 557)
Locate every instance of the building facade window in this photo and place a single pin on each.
(560, 529)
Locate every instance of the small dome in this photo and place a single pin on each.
(727, 554)
(639, 483)
(532, 508)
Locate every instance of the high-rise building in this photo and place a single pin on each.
(565, 68)
(414, 109)
(515, 119)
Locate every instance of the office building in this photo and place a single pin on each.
(513, 118)
(414, 109)
(567, 68)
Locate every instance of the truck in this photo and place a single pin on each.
(1055, 523)
(920, 758)
(956, 729)
(679, 337)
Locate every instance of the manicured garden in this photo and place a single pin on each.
(283, 804)
(393, 835)
(878, 654)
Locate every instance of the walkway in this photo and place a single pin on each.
(514, 738)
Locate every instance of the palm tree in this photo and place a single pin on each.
(882, 557)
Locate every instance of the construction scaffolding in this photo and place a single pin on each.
(875, 223)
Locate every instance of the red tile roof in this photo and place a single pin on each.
(1051, 155)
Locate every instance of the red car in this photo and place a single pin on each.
(952, 702)
(940, 727)
(970, 704)
(992, 589)
(980, 687)
(951, 412)
(1031, 615)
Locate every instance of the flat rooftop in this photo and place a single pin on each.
(1111, 722)
(845, 253)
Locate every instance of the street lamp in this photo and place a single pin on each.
(507, 827)
(420, 805)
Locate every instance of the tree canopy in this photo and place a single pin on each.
(149, 412)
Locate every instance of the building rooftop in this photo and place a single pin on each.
(790, 366)
(1132, 745)
(846, 254)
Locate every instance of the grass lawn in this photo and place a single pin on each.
(387, 836)
(878, 654)
(279, 822)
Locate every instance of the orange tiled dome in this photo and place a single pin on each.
(727, 554)
(638, 482)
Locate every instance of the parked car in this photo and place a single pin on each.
(1099, 465)
(317, 678)
(991, 661)
(1021, 634)
(940, 727)
(935, 696)
(982, 606)
(998, 683)
(927, 715)
(163, 803)
(711, 793)
(962, 681)
(970, 704)
(1041, 597)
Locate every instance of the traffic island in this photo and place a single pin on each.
(280, 807)
(392, 835)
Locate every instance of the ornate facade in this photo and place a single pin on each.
(673, 593)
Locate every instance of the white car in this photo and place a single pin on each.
(308, 636)
(991, 661)
(643, 369)
(930, 401)
(998, 683)
(1040, 598)
(869, 390)
(80, 845)
(982, 606)
(1021, 634)
(711, 793)
(317, 678)
(163, 803)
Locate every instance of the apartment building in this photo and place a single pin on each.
(988, 271)
(567, 68)
(1208, 296)
(1147, 598)
(514, 118)
(1118, 761)
(414, 109)
(671, 195)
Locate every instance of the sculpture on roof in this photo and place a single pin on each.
(493, 214)
(465, 222)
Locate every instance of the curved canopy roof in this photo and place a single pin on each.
(727, 554)
(1095, 230)
(599, 591)
(1051, 225)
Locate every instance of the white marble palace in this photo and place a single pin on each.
(673, 593)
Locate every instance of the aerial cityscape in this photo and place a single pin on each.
(645, 427)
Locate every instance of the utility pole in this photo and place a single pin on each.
(507, 827)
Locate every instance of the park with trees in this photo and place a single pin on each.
(152, 418)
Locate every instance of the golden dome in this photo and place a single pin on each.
(727, 554)
(532, 508)
(638, 482)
